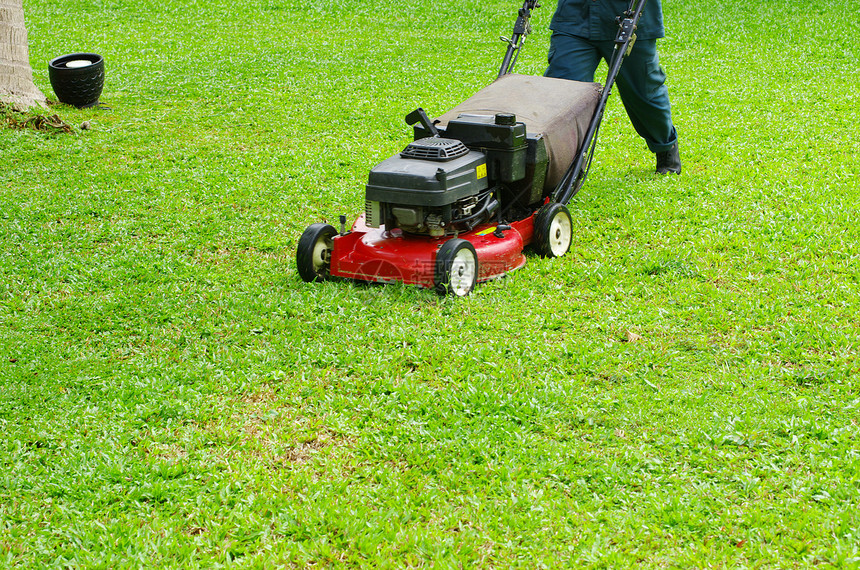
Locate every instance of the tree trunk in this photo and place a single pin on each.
(16, 75)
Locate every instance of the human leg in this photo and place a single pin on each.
(572, 57)
(641, 84)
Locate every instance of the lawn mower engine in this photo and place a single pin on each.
(450, 181)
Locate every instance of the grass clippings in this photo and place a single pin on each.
(34, 119)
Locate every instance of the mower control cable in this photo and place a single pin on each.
(488, 205)
(574, 178)
(522, 28)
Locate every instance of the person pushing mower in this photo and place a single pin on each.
(583, 33)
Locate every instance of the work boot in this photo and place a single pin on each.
(669, 161)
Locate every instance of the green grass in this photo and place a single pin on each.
(174, 395)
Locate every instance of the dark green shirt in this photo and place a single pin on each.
(595, 19)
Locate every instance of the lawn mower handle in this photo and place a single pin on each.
(522, 28)
(573, 179)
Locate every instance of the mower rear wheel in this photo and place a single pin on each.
(313, 254)
(456, 268)
(553, 230)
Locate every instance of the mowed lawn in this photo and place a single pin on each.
(681, 390)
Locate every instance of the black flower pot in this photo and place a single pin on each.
(77, 78)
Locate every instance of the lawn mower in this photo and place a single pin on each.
(477, 185)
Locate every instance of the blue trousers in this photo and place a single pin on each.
(641, 82)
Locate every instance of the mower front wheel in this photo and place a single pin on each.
(456, 268)
(313, 254)
(553, 230)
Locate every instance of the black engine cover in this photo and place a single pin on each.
(427, 182)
